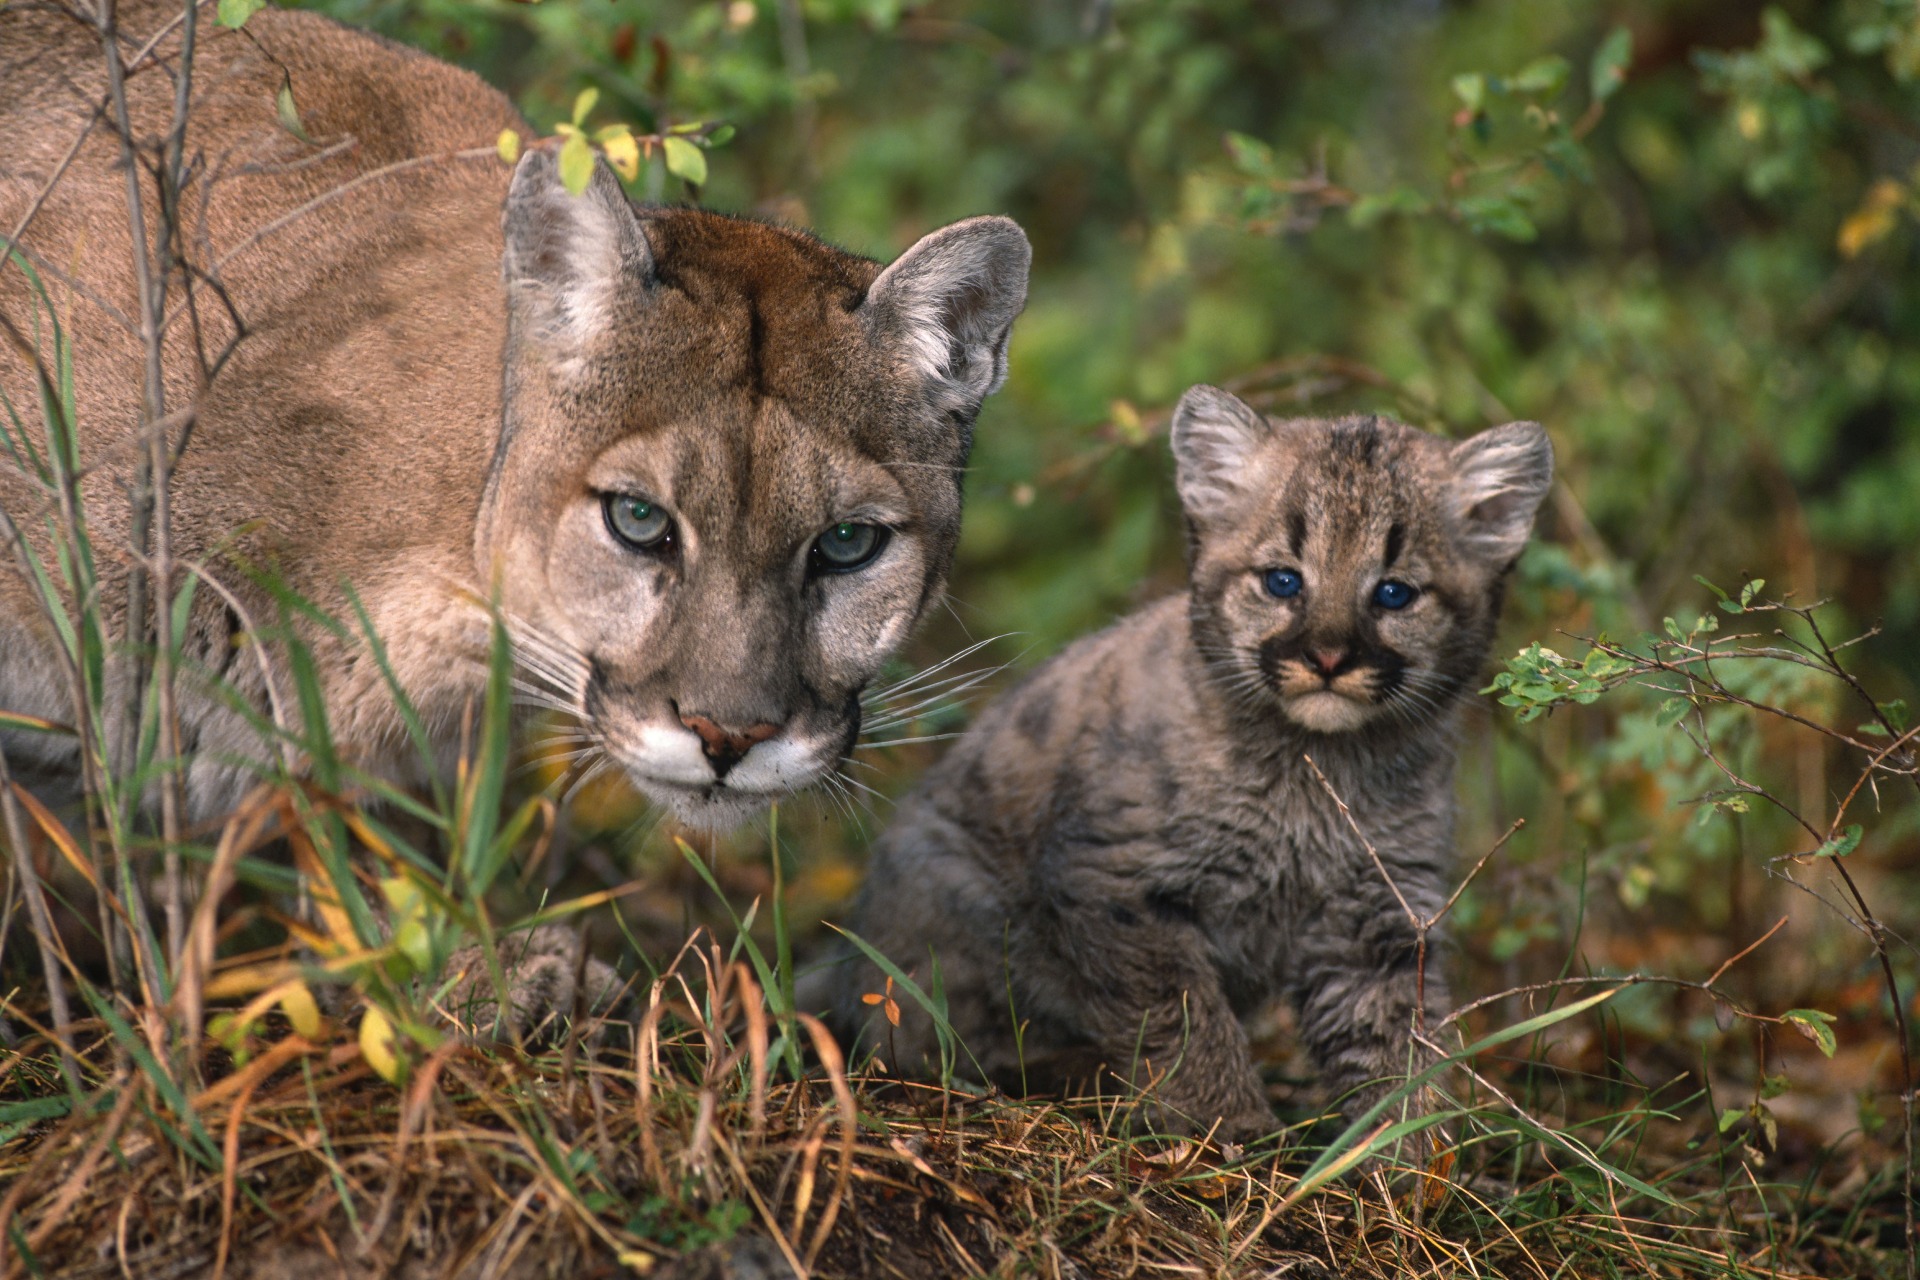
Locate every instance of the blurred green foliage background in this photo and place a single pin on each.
(1679, 233)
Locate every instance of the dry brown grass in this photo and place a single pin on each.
(673, 1144)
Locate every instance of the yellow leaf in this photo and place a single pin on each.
(509, 145)
(377, 1046)
(403, 895)
(247, 980)
(623, 153)
(326, 902)
(1873, 220)
(302, 1010)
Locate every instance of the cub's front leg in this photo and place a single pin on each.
(1356, 987)
(1146, 994)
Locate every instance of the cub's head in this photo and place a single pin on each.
(728, 478)
(1348, 572)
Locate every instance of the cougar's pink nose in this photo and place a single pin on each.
(1328, 660)
(725, 746)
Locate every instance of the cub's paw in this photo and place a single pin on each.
(549, 980)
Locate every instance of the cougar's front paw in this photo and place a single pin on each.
(547, 980)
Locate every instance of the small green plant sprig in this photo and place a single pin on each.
(1506, 137)
(1695, 669)
(682, 147)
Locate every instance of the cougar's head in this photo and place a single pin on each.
(1348, 572)
(728, 477)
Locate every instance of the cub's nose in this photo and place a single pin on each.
(1328, 660)
(725, 747)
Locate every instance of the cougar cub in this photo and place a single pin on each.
(1130, 850)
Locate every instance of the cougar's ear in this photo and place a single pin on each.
(568, 257)
(1217, 439)
(1499, 479)
(948, 304)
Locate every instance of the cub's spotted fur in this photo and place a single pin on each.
(1130, 852)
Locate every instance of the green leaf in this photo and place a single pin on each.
(1501, 215)
(1568, 160)
(1814, 1025)
(576, 163)
(685, 160)
(508, 145)
(1773, 1086)
(1788, 50)
(1544, 75)
(1610, 60)
(1471, 89)
(1731, 1117)
(721, 137)
(1671, 712)
(1249, 155)
(234, 13)
(1896, 714)
(583, 104)
(1370, 209)
(1841, 845)
(1752, 589)
(607, 132)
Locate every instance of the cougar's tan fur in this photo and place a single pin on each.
(449, 367)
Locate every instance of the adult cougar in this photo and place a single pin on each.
(1131, 850)
(709, 468)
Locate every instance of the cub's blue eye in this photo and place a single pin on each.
(1393, 595)
(848, 546)
(1284, 583)
(637, 522)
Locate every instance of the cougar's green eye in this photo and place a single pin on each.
(848, 546)
(640, 524)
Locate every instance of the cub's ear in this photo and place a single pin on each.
(569, 257)
(1499, 479)
(1217, 439)
(948, 305)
